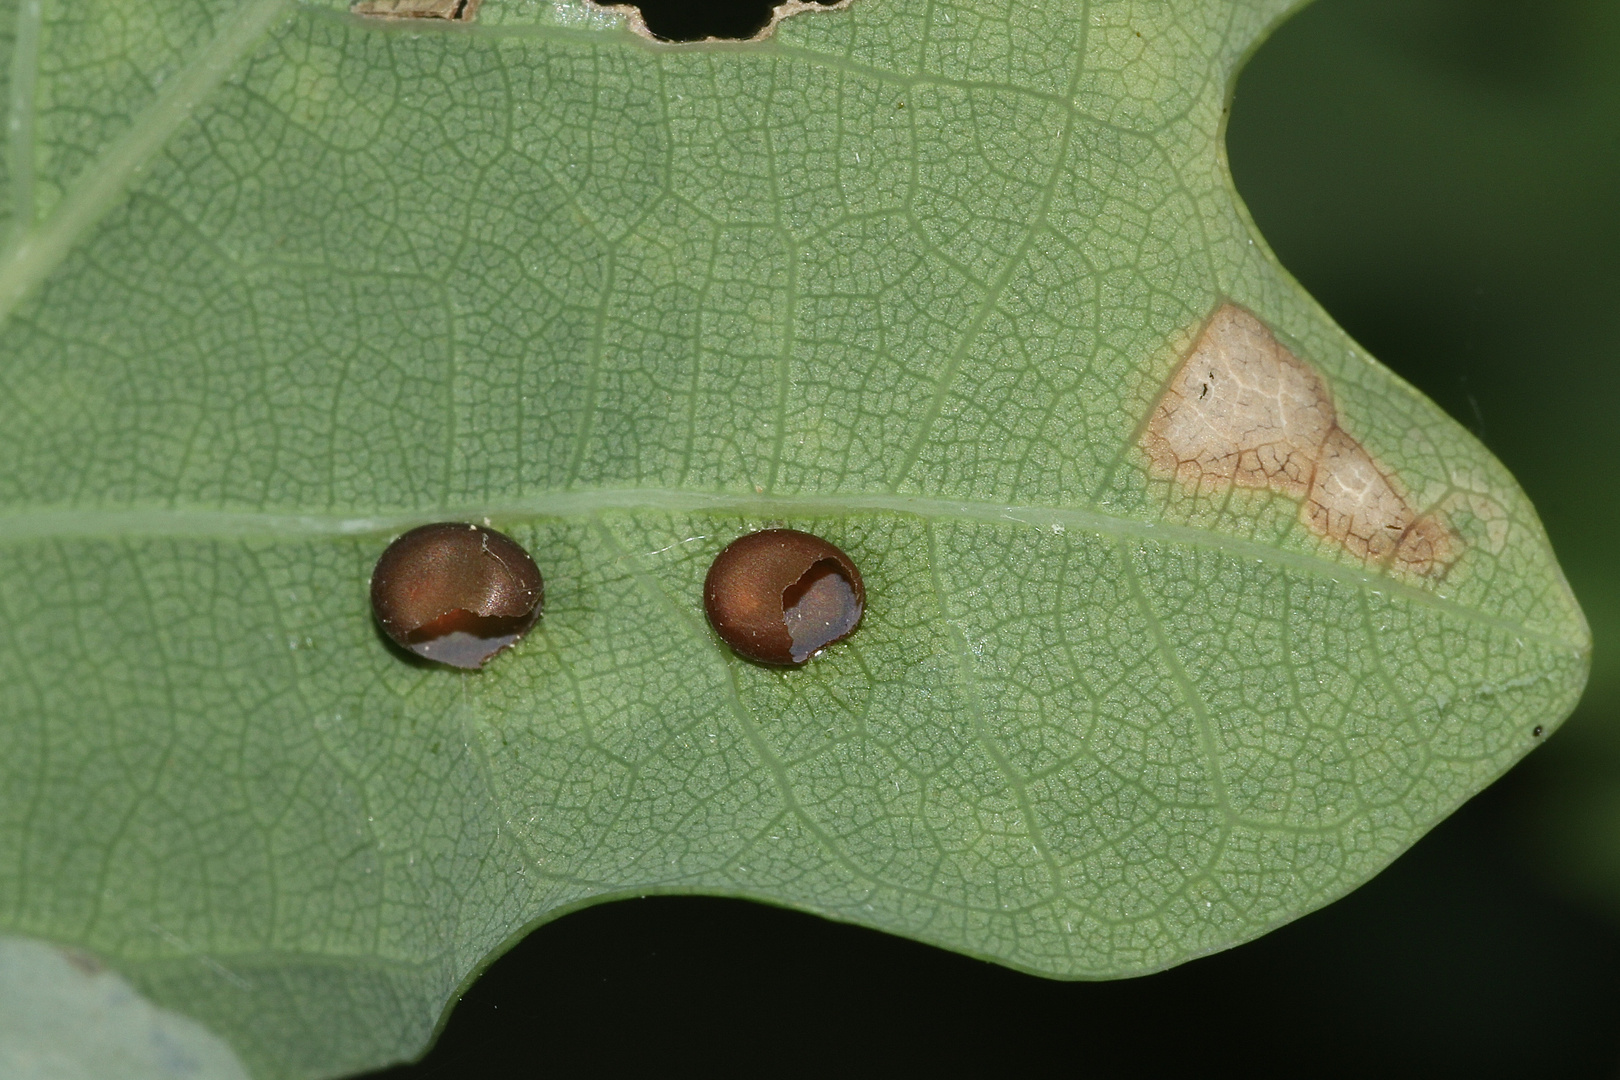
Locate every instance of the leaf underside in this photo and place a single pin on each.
(280, 282)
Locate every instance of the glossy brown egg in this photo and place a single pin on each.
(781, 596)
(456, 593)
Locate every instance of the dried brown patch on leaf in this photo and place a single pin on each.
(453, 10)
(1243, 411)
(85, 962)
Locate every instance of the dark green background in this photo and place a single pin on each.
(1444, 176)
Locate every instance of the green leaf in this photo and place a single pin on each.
(281, 281)
(63, 1017)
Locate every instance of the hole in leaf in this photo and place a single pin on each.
(696, 20)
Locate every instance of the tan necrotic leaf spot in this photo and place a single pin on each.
(456, 593)
(781, 596)
(1243, 411)
(452, 10)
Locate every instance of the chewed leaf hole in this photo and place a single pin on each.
(722, 20)
(818, 609)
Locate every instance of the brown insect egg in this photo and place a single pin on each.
(456, 593)
(781, 596)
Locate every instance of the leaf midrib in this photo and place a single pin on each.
(33, 524)
(38, 250)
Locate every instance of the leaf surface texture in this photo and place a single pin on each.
(280, 282)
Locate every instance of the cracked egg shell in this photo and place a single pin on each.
(456, 593)
(781, 596)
